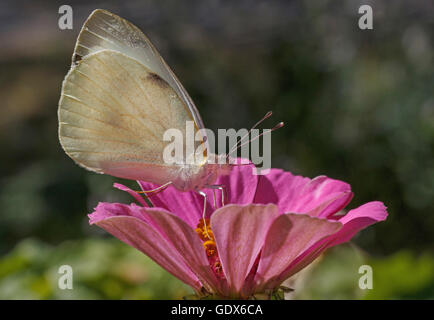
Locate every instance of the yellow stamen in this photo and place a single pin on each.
(208, 243)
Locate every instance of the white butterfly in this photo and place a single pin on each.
(117, 101)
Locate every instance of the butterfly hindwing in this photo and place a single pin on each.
(105, 30)
(114, 111)
(117, 101)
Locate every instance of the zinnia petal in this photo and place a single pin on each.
(186, 242)
(133, 193)
(140, 235)
(353, 221)
(239, 233)
(298, 194)
(358, 219)
(288, 237)
(240, 184)
(186, 205)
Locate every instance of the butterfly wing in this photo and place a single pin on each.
(114, 108)
(105, 30)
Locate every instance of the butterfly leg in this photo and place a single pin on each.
(204, 212)
(214, 200)
(220, 187)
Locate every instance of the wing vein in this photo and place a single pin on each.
(99, 139)
(145, 94)
(131, 102)
(138, 119)
(103, 134)
(99, 120)
(88, 106)
(101, 37)
(88, 92)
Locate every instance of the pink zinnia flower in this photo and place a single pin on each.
(271, 227)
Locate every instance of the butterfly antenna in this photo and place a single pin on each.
(277, 126)
(237, 145)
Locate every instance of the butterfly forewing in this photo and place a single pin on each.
(113, 113)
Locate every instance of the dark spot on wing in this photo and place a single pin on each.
(76, 59)
(157, 80)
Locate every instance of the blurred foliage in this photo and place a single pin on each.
(109, 269)
(335, 275)
(403, 275)
(102, 269)
(358, 106)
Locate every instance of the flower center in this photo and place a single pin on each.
(205, 233)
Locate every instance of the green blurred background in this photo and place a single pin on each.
(357, 104)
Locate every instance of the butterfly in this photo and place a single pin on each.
(118, 99)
